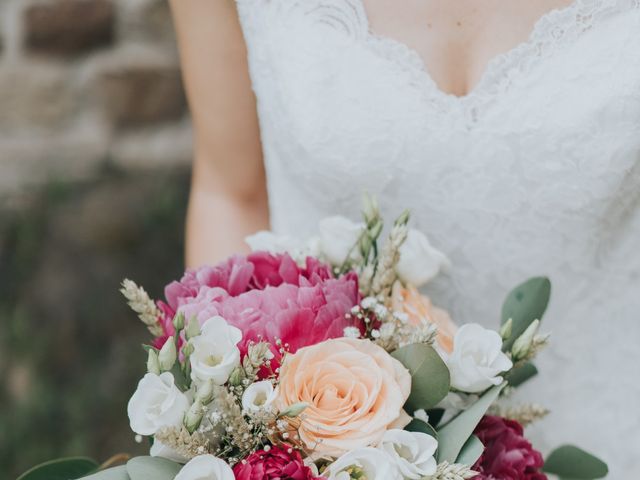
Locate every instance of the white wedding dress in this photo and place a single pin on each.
(535, 172)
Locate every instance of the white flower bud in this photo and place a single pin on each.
(205, 392)
(153, 366)
(370, 209)
(193, 328)
(522, 345)
(194, 416)
(168, 354)
(507, 329)
(294, 410)
(403, 219)
(178, 321)
(236, 377)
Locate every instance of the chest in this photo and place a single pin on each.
(457, 39)
(553, 125)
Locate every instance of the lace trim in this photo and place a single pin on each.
(551, 32)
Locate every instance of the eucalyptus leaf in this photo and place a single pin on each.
(526, 303)
(453, 436)
(522, 374)
(152, 468)
(430, 379)
(61, 469)
(471, 451)
(423, 427)
(115, 473)
(571, 462)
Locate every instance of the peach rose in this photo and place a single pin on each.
(418, 307)
(354, 390)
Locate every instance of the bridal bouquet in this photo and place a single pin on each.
(322, 360)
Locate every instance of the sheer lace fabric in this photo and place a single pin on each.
(536, 171)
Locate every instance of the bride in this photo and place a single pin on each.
(511, 127)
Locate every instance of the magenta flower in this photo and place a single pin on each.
(507, 455)
(281, 462)
(268, 297)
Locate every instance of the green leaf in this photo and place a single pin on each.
(572, 462)
(61, 469)
(471, 451)
(152, 468)
(526, 303)
(419, 426)
(116, 473)
(521, 374)
(429, 375)
(453, 436)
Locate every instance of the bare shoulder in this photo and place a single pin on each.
(205, 20)
(212, 49)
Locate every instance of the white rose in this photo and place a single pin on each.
(419, 261)
(259, 396)
(370, 463)
(477, 359)
(338, 235)
(215, 352)
(206, 467)
(156, 403)
(412, 452)
(159, 449)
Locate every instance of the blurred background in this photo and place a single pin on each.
(95, 146)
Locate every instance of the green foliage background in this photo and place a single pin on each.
(70, 351)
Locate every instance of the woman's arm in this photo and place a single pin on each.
(228, 197)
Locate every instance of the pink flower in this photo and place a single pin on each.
(281, 462)
(268, 297)
(507, 455)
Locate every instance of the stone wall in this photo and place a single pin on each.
(88, 84)
(95, 146)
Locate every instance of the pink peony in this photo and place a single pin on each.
(281, 462)
(268, 297)
(507, 455)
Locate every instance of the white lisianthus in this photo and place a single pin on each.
(270, 242)
(215, 351)
(370, 463)
(477, 359)
(206, 467)
(338, 235)
(159, 449)
(412, 452)
(156, 403)
(419, 260)
(259, 396)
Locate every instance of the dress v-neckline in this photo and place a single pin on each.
(549, 30)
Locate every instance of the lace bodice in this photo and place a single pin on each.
(536, 171)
